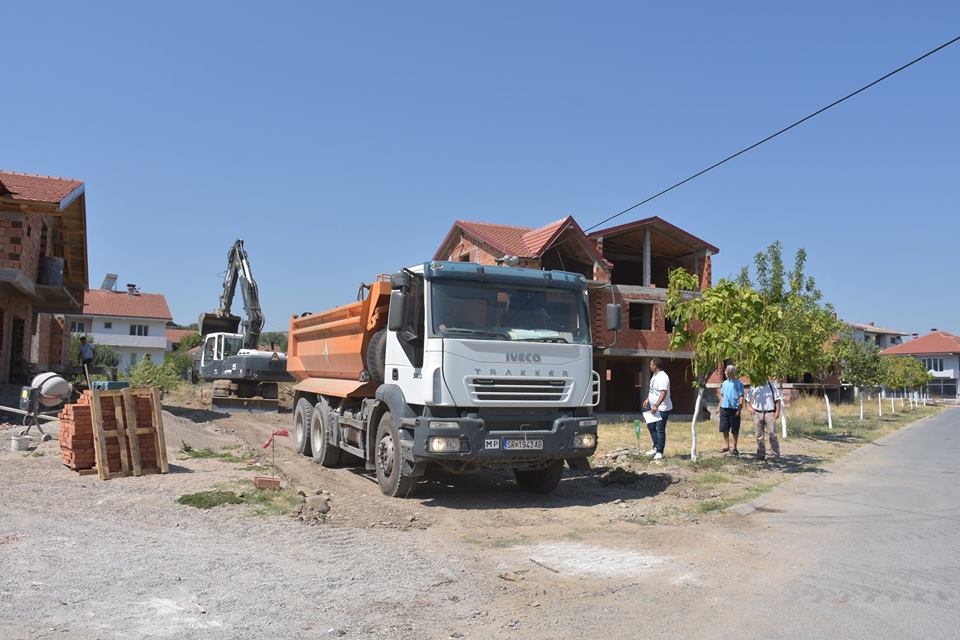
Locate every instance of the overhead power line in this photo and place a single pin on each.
(774, 135)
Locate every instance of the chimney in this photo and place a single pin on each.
(871, 324)
(109, 282)
(132, 290)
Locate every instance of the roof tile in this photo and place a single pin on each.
(32, 188)
(101, 302)
(936, 342)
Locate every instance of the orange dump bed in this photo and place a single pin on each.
(327, 350)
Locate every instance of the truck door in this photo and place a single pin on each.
(404, 361)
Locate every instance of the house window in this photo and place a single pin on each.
(108, 325)
(139, 330)
(465, 257)
(76, 326)
(641, 316)
(133, 359)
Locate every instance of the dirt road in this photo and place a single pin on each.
(472, 558)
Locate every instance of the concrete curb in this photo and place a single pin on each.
(744, 509)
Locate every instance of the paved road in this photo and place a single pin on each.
(872, 550)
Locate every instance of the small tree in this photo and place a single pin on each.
(862, 365)
(149, 374)
(189, 341)
(727, 321)
(103, 355)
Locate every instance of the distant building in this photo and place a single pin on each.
(939, 351)
(627, 264)
(883, 338)
(174, 336)
(131, 322)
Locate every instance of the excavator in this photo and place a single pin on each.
(244, 377)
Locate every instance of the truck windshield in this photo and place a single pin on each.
(488, 311)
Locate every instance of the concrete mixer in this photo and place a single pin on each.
(46, 390)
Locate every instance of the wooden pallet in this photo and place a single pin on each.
(127, 432)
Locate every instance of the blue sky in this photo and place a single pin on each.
(341, 140)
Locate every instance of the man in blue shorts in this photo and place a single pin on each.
(731, 402)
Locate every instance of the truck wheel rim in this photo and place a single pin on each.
(299, 429)
(385, 455)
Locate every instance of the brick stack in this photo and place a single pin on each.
(76, 433)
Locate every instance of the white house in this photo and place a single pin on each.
(131, 322)
(939, 352)
(883, 338)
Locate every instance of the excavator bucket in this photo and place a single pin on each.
(213, 323)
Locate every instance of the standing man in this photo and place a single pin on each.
(765, 403)
(731, 402)
(658, 400)
(86, 352)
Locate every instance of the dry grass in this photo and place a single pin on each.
(716, 481)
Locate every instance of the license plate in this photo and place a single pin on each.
(522, 445)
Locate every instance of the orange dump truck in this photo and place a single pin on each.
(454, 365)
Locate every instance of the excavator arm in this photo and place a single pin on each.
(222, 320)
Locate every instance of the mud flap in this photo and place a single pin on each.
(578, 464)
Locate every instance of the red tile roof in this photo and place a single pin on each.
(100, 302)
(936, 342)
(174, 336)
(523, 242)
(33, 188)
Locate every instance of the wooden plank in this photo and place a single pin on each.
(99, 442)
(158, 428)
(121, 436)
(128, 403)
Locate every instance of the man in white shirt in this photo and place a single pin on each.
(765, 401)
(658, 400)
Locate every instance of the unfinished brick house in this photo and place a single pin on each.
(627, 264)
(43, 270)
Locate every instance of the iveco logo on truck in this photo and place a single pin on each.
(523, 357)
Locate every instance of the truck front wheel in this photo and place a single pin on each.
(540, 480)
(301, 426)
(389, 462)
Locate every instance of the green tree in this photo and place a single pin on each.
(103, 355)
(861, 364)
(189, 341)
(726, 322)
(806, 325)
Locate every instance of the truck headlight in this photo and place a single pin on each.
(444, 445)
(584, 441)
(439, 424)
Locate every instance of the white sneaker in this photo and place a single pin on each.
(651, 452)
(659, 456)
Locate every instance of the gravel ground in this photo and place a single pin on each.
(82, 558)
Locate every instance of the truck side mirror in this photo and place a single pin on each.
(397, 315)
(614, 317)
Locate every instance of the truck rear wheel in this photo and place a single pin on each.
(377, 356)
(540, 480)
(389, 462)
(302, 414)
(324, 453)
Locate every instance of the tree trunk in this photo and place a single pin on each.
(893, 406)
(693, 425)
(826, 399)
(880, 403)
(783, 419)
(861, 403)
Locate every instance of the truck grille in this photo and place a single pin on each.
(520, 389)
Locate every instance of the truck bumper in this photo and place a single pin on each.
(482, 446)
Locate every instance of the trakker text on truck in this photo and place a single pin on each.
(452, 365)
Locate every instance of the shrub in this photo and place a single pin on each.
(149, 374)
(103, 355)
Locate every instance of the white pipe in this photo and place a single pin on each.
(826, 398)
(693, 425)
